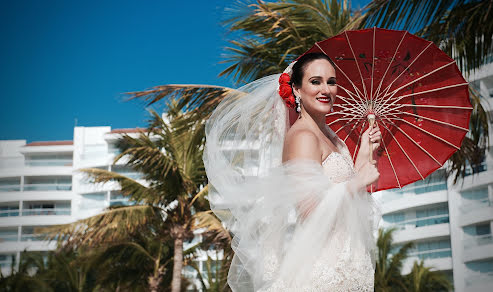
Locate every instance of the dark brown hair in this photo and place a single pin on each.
(300, 66)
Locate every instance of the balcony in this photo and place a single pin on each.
(10, 187)
(420, 222)
(10, 184)
(420, 187)
(48, 162)
(10, 210)
(8, 235)
(46, 211)
(6, 261)
(48, 187)
(432, 254)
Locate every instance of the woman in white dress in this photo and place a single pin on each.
(292, 196)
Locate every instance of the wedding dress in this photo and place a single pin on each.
(341, 266)
(258, 197)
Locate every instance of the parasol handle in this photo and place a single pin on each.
(371, 122)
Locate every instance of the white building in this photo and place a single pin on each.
(40, 186)
(450, 224)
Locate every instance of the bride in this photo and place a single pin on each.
(291, 194)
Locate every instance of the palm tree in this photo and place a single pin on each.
(23, 279)
(389, 263)
(423, 279)
(464, 30)
(216, 238)
(388, 272)
(169, 155)
(51, 271)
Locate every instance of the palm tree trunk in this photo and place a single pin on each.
(157, 276)
(177, 263)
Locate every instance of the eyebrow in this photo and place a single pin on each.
(320, 77)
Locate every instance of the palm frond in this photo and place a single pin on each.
(110, 226)
(201, 98)
(275, 33)
(129, 187)
(422, 278)
(462, 28)
(212, 224)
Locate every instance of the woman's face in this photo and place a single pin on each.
(318, 87)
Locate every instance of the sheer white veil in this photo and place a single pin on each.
(256, 195)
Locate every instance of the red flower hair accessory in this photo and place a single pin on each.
(285, 90)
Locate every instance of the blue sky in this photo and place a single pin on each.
(62, 61)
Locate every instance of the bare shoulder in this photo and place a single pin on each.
(301, 143)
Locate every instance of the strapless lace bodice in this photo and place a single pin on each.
(338, 166)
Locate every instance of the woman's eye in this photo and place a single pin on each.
(315, 82)
(332, 82)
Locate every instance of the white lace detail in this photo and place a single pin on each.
(352, 270)
(345, 265)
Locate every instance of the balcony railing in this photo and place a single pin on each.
(421, 188)
(479, 279)
(475, 205)
(48, 187)
(45, 211)
(476, 241)
(432, 254)
(49, 162)
(10, 188)
(32, 237)
(9, 213)
(421, 222)
(6, 263)
(8, 237)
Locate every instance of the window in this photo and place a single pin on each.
(481, 266)
(9, 209)
(431, 216)
(8, 234)
(10, 184)
(432, 249)
(477, 230)
(28, 233)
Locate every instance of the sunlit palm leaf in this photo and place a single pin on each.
(133, 189)
(110, 226)
(211, 223)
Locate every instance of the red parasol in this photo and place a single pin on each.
(415, 92)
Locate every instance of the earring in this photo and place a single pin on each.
(332, 109)
(298, 103)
